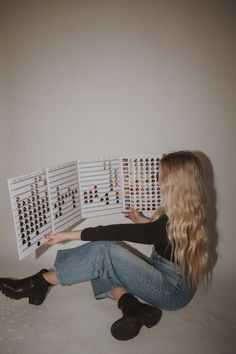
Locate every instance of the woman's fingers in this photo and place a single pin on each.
(50, 239)
(129, 212)
(129, 215)
(125, 213)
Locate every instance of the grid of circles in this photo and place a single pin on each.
(33, 212)
(107, 197)
(141, 189)
(62, 198)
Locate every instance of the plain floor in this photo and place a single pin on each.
(72, 321)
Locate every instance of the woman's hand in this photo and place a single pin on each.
(52, 239)
(136, 216)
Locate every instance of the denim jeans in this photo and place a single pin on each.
(108, 265)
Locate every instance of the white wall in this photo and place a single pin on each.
(83, 79)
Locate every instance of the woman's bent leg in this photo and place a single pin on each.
(122, 269)
(90, 261)
(108, 265)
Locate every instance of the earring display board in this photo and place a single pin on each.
(57, 198)
(31, 211)
(64, 196)
(140, 183)
(100, 187)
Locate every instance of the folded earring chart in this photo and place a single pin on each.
(57, 198)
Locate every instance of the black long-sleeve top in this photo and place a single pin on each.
(149, 233)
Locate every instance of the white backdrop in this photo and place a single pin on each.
(84, 79)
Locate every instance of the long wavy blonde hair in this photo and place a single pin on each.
(184, 202)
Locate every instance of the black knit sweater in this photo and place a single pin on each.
(149, 233)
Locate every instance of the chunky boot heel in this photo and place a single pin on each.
(151, 316)
(35, 288)
(36, 300)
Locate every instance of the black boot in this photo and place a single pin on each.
(34, 287)
(135, 315)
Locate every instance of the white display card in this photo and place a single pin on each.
(31, 210)
(140, 183)
(100, 187)
(59, 197)
(64, 195)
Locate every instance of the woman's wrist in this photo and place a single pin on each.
(75, 235)
(144, 220)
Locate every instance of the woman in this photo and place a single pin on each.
(166, 280)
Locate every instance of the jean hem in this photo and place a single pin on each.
(57, 272)
(106, 295)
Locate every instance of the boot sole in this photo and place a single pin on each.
(129, 327)
(126, 328)
(33, 299)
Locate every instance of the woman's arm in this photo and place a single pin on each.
(132, 214)
(145, 233)
(52, 239)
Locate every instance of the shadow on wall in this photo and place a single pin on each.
(212, 231)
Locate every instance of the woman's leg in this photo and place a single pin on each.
(99, 262)
(113, 271)
(118, 292)
(51, 277)
(117, 266)
(156, 280)
(108, 264)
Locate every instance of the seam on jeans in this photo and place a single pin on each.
(141, 280)
(172, 293)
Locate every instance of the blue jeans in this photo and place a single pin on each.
(108, 265)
